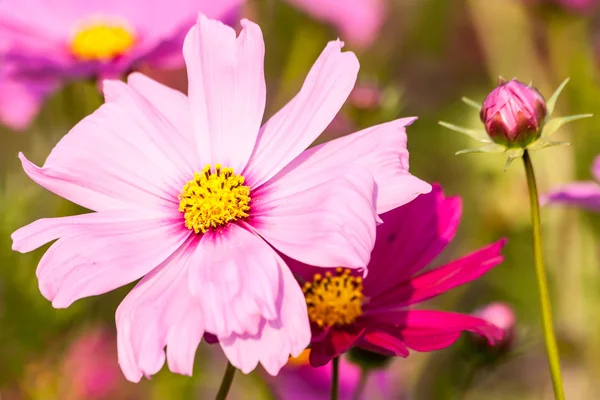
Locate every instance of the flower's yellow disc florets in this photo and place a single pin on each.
(334, 299)
(214, 198)
(101, 41)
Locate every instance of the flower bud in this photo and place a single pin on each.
(513, 114)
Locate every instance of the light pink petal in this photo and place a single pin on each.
(160, 311)
(291, 130)
(330, 224)
(584, 194)
(381, 149)
(226, 89)
(173, 105)
(425, 330)
(276, 340)
(237, 275)
(98, 253)
(410, 237)
(596, 168)
(124, 155)
(433, 283)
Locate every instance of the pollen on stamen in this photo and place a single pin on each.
(334, 299)
(102, 40)
(214, 198)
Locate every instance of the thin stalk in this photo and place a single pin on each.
(335, 378)
(226, 382)
(540, 272)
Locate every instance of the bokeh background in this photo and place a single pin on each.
(426, 56)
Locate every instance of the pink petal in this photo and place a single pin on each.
(381, 149)
(277, 339)
(160, 311)
(99, 253)
(433, 283)
(227, 89)
(596, 168)
(290, 131)
(173, 105)
(338, 341)
(381, 342)
(584, 194)
(328, 224)
(424, 330)
(237, 275)
(410, 238)
(21, 99)
(124, 155)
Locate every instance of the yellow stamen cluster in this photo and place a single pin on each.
(301, 360)
(214, 198)
(334, 299)
(101, 41)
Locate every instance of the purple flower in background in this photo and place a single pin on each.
(298, 380)
(358, 21)
(584, 194)
(46, 43)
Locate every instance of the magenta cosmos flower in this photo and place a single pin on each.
(46, 43)
(191, 194)
(584, 194)
(358, 21)
(299, 380)
(373, 313)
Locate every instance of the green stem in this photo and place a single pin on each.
(226, 382)
(335, 377)
(545, 308)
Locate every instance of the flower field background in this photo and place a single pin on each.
(424, 58)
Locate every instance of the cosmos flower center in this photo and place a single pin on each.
(334, 299)
(214, 198)
(102, 41)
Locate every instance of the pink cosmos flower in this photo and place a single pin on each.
(299, 380)
(191, 194)
(585, 194)
(358, 21)
(373, 313)
(46, 43)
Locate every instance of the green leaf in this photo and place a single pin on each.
(490, 148)
(554, 124)
(477, 134)
(552, 100)
(512, 154)
(471, 103)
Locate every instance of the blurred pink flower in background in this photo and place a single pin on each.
(373, 313)
(358, 21)
(299, 380)
(47, 43)
(503, 316)
(90, 369)
(185, 189)
(578, 5)
(365, 96)
(584, 194)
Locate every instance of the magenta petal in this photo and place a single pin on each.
(380, 149)
(95, 257)
(384, 343)
(160, 311)
(237, 276)
(291, 130)
(328, 224)
(424, 330)
(442, 279)
(410, 238)
(338, 341)
(276, 340)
